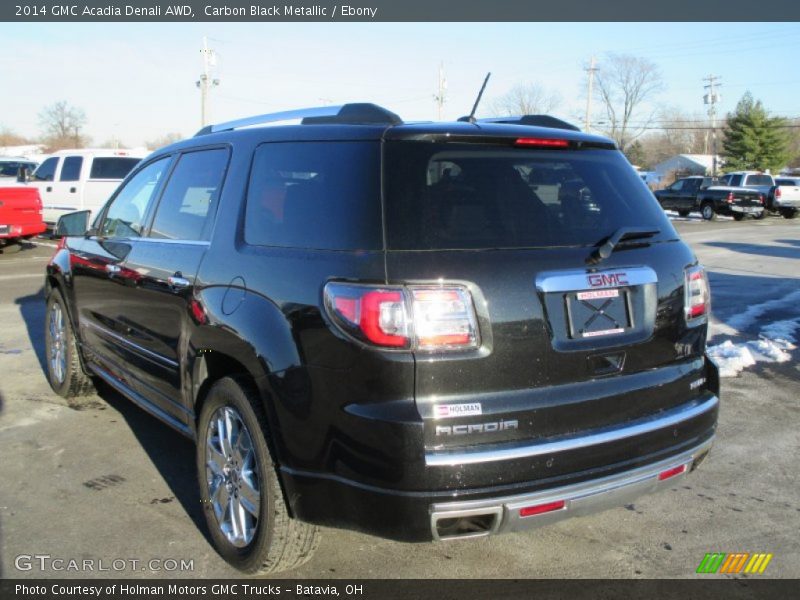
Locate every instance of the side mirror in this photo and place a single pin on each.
(22, 175)
(72, 224)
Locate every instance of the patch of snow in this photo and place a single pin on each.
(782, 330)
(745, 319)
(730, 358)
(769, 351)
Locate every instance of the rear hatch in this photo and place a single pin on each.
(20, 212)
(569, 341)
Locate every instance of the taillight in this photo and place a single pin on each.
(761, 198)
(697, 299)
(542, 143)
(777, 193)
(404, 318)
(729, 199)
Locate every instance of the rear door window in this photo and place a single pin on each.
(71, 169)
(475, 196)
(192, 190)
(315, 195)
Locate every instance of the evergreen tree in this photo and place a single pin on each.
(754, 140)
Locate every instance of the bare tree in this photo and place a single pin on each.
(624, 83)
(164, 140)
(530, 99)
(62, 125)
(9, 138)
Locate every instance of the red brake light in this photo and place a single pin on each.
(404, 318)
(541, 143)
(778, 192)
(761, 198)
(538, 509)
(729, 199)
(697, 299)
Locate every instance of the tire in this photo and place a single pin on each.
(738, 217)
(707, 210)
(759, 216)
(64, 371)
(789, 213)
(264, 538)
(683, 213)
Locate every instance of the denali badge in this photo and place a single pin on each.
(477, 428)
(457, 410)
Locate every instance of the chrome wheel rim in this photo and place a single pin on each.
(707, 212)
(234, 489)
(58, 351)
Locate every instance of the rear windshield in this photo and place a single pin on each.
(464, 196)
(758, 180)
(116, 167)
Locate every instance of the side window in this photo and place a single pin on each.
(47, 170)
(125, 217)
(71, 169)
(677, 186)
(735, 180)
(316, 195)
(192, 189)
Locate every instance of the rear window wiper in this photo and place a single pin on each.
(623, 233)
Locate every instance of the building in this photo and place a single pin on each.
(682, 165)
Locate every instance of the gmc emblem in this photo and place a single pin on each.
(607, 279)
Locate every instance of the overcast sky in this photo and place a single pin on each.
(137, 81)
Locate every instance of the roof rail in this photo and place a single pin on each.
(347, 114)
(534, 120)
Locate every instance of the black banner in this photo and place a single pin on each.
(406, 589)
(397, 10)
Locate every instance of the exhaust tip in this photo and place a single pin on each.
(467, 524)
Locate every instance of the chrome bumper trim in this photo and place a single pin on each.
(668, 418)
(579, 499)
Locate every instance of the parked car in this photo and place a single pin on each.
(421, 331)
(681, 196)
(754, 180)
(10, 167)
(20, 214)
(73, 180)
(784, 197)
(738, 194)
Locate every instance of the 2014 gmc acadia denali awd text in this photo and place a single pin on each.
(421, 331)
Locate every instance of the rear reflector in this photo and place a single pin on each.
(538, 509)
(671, 472)
(541, 143)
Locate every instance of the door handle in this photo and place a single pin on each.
(48, 189)
(113, 269)
(73, 190)
(178, 282)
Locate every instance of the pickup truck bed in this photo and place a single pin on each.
(20, 214)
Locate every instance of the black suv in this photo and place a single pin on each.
(421, 331)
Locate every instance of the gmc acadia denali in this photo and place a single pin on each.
(421, 331)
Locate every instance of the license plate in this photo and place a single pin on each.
(751, 210)
(595, 313)
(3, 228)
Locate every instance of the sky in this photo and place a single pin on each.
(136, 81)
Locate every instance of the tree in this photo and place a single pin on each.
(62, 125)
(164, 140)
(754, 140)
(636, 155)
(531, 99)
(624, 84)
(9, 138)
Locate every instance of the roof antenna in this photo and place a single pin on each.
(471, 117)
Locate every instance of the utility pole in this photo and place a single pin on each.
(587, 123)
(711, 98)
(206, 82)
(439, 97)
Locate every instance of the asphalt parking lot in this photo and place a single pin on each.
(103, 481)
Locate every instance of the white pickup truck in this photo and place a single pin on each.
(784, 198)
(71, 180)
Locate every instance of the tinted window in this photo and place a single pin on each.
(191, 190)
(46, 170)
(677, 186)
(787, 182)
(323, 195)
(128, 210)
(734, 180)
(71, 169)
(759, 180)
(116, 167)
(464, 196)
(11, 169)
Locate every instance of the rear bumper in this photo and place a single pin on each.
(18, 230)
(610, 467)
(504, 514)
